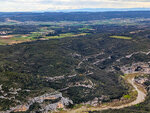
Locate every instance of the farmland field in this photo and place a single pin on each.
(121, 37)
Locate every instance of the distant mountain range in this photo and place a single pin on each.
(99, 10)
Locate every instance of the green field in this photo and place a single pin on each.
(84, 28)
(66, 35)
(127, 96)
(121, 37)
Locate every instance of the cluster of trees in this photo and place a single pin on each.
(28, 64)
(18, 29)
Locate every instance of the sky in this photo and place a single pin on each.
(42, 5)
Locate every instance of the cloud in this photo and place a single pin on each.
(38, 5)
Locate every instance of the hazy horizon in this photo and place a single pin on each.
(53, 5)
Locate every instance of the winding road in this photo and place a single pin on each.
(140, 98)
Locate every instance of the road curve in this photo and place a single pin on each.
(140, 98)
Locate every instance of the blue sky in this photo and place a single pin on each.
(41, 5)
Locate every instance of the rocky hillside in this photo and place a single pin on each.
(59, 73)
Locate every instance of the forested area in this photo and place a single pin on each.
(33, 61)
(81, 67)
(73, 16)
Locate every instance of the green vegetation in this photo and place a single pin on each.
(28, 63)
(85, 28)
(22, 38)
(127, 96)
(77, 106)
(143, 107)
(2, 43)
(66, 35)
(121, 37)
(18, 34)
(82, 67)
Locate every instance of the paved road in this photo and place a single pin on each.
(140, 98)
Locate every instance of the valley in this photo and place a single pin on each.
(96, 62)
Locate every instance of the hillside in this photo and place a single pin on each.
(139, 108)
(55, 67)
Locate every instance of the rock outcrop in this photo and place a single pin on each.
(140, 67)
(40, 99)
